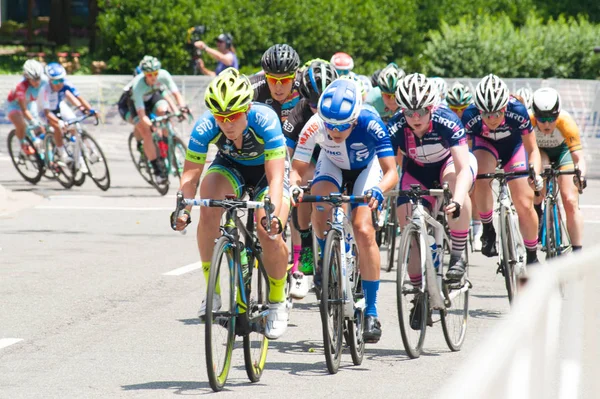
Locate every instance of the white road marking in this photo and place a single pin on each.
(589, 206)
(592, 221)
(185, 269)
(73, 196)
(4, 342)
(103, 208)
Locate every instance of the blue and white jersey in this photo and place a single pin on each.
(433, 149)
(54, 98)
(262, 139)
(516, 124)
(368, 138)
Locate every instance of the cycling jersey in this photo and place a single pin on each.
(565, 133)
(374, 98)
(262, 94)
(56, 97)
(24, 91)
(262, 139)
(368, 138)
(292, 126)
(141, 92)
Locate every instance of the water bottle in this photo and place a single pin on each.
(245, 269)
(163, 148)
(435, 256)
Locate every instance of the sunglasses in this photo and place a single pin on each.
(414, 113)
(282, 80)
(458, 107)
(545, 119)
(57, 81)
(340, 128)
(492, 115)
(230, 117)
(343, 72)
(313, 106)
(153, 73)
(388, 95)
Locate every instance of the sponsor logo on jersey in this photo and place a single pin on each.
(377, 129)
(287, 126)
(444, 121)
(473, 121)
(515, 116)
(357, 146)
(263, 120)
(331, 152)
(308, 133)
(204, 126)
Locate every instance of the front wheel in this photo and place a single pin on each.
(356, 323)
(331, 305)
(392, 234)
(25, 158)
(506, 256)
(95, 161)
(139, 159)
(63, 173)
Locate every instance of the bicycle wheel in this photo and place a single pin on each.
(506, 259)
(30, 166)
(408, 295)
(456, 297)
(356, 323)
(95, 161)
(139, 159)
(331, 305)
(177, 157)
(255, 342)
(392, 235)
(63, 173)
(220, 324)
(550, 244)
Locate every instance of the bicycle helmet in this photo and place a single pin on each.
(527, 95)
(149, 64)
(459, 95)
(342, 62)
(546, 103)
(341, 102)
(55, 71)
(228, 92)
(315, 79)
(374, 77)
(491, 94)
(33, 69)
(441, 85)
(389, 77)
(280, 58)
(415, 91)
(366, 83)
(359, 82)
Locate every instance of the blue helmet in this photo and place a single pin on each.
(341, 102)
(55, 71)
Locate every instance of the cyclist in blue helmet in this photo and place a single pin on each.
(356, 149)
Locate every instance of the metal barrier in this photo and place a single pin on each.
(548, 345)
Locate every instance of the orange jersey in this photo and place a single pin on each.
(566, 132)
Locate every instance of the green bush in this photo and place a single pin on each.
(560, 48)
(131, 29)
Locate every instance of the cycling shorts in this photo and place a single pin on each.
(512, 159)
(560, 157)
(129, 113)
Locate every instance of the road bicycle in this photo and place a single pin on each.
(425, 246)
(243, 288)
(512, 252)
(27, 155)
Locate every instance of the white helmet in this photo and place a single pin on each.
(491, 94)
(33, 69)
(546, 103)
(416, 91)
(527, 95)
(366, 83)
(441, 85)
(342, 62)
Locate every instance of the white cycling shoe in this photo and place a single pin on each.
(216, 306)
(299, 286)
(277, 320)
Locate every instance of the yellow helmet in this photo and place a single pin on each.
(230, 91)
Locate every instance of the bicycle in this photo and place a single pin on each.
(27, 155)
(554, 235)
(342, 301)
(390, 230)
(244, 291)
(87, 156)
(171, 148)
(512, 253)
(449, 297)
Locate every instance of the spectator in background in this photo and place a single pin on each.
(224, 54)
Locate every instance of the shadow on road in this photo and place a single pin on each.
(485, 314)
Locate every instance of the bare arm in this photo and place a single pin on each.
(274, 170)
(533, 151)
(460, 156)
(190, 179)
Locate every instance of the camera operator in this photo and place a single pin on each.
(224, 54)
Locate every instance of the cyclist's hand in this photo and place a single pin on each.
(453, 209)
(182, 220)
(184, 110)
(180, 116)
(581, 184)
(276, 226)
(376, 198)
(297, 194)
(539, 183)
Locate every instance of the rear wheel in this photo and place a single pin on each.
(177, 157)
(63, 173)
(392, 234)
(95, 161)
(331, 305)
(25, 158)
(139, 159)
(413, 303)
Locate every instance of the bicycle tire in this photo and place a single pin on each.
(64, 174)
(332, 302)
(392, 233)
(140, 164)
(20, 160)
(355, 323)
(92, 157)
(406, 294)
(506, 257)
(551, 247)
(256, 344)
(455, 316)
(178, 154)
(215, 321)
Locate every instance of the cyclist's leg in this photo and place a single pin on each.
(570, 199)
(160, 107)
(522, 197)
(304, 211)
(17, 119)
(487, 157)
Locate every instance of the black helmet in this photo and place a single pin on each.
(280, 58)
(225, 38)
(374, 77)
(315, 78)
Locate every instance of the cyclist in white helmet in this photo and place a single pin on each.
(501, 131)
(525, 95)
(442, 88)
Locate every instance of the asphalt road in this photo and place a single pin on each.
(87, 310)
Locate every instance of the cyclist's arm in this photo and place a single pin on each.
(460, 156)
(52, 118)
(390, 173)
(299, 169)
(570, 131)
(275, 170)
(25, 110)
(533, 151)
(190, 179)
(579, 160)
(179, 99)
